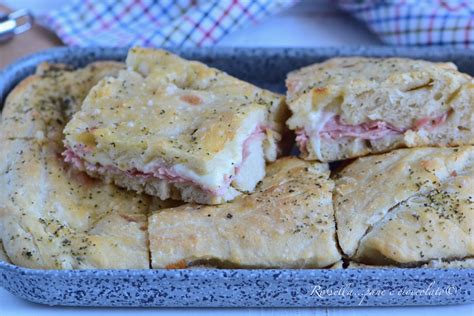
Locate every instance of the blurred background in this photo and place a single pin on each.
(262, 23)
(307, 23)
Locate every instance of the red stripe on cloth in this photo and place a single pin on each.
(245, 11)
(431, 25)
(397, 23)
(127, 9)
(116, 17)
(100, 18)
(90, 5)
(207, 35)
(467, 37)
(146, 11)
(452, 8)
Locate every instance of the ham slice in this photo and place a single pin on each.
(302, 140)
(430, 123)
(160, 171)
(334, 128)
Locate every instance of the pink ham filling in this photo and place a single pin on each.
(161, 172)
(334, 129)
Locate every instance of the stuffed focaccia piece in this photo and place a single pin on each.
(407, 207)
(288, 222)
(53, 217)
(176, 129)
(350, 107)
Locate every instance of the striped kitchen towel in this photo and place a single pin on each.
(155, 22)
(417, 22)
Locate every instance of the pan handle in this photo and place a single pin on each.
(24, 20)
(14, 23)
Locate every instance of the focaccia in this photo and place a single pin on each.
(40, 106)
(51, 216)
(407, 207)
(288, 222)
(176, 129)
(350, 107)
(3, 255)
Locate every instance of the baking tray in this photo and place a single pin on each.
(238, 288)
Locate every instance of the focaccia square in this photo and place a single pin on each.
(407, 207)
(176, 129)
(288, 222)
(350, 107)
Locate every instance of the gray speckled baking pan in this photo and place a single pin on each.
(238, 288)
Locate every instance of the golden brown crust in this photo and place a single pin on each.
(407, 206)
(287, 223)
(339, 71)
